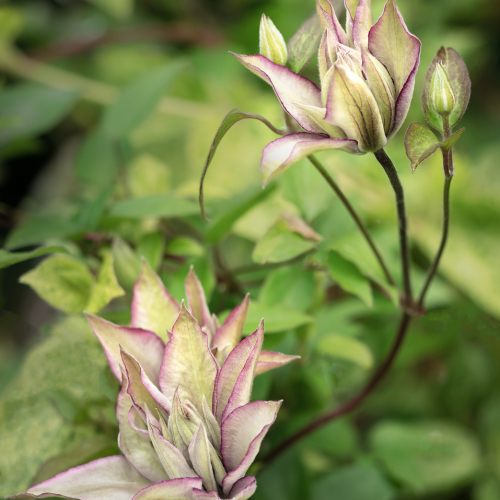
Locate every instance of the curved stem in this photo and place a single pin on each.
(354, 215)
(350, 405)
(392, 174)
(444, 237)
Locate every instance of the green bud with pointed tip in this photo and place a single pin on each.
(272, 43)
(441, 92)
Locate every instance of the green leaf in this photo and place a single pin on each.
(97, 160)
(450, 142)
(151, 246)
(184, 246)
(337, 439)
(348, 277)
(233, 210)
(11, 23)
(157, 205)
(37, 229)
(138, 100)
(427, 457)
(304, 44)
(348, 348)
(147, 175)
(127, 263)
(232, 117)
(292, 286)
(62, 281)
(69, 361)
(353, 482)
(31, 109)
(8, 258)
(420, 144)
(276, 318)
(90, 215)
(106, 287)
(280, 244)
(120, 9)
(354, 247)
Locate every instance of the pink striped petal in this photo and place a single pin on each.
(399, 51)
(243, 489)
(110, 478)
(362, 23)
(135, 445)
(145, 346)
(174, 489)
(329, 20)
(153, 308)
(269, 360)
(230, 332)
(242, 433)
(198, 303)
(280, 154)
(188, 364)
(290, 88)
(233, 385)
(142, 391)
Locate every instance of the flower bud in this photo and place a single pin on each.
(441, 93)
(272, 43)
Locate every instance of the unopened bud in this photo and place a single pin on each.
(441, 93)
(272, 43)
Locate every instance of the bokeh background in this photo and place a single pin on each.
(78, 174)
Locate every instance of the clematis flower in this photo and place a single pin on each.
(367, 76)
(188, 430)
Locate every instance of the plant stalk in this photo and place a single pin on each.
(392, 174)
(354, 215)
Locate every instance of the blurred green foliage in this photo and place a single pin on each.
(107, 112)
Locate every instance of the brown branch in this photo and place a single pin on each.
(171, 32)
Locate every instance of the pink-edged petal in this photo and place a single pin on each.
(136, 421)
(110, 478)
(399, 51)
(198, 303)
(142, 391)
(362, 23)
(269, 360)
(153, 308)
(290, 88)
(242, 433)
(236, 375)
(243, 489)
(230, 332)
(352, 106)
(280, 154)
(199, 453)
(329, 20)
(171, 458)
(135, 445)
(204, 495)
(188, 364)
(144, 345)
(173, 489)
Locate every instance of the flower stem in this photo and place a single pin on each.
(354, 215)
(354, 402)
(392, 174)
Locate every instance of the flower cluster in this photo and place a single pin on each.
(367, 76)
(187, 427)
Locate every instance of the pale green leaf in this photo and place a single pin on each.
(37, 229)
(10, 258)
(29, 109)
(353, 482)
(348, 277)
(157, 205)
(147, 175)
(97, 160)
(347, 348)
(127, 263)
(151, 247)
(427, 457)
(138, 100)
(304, 44)
(106, 287)
(420, 144)
(62, 281)
(280, 244)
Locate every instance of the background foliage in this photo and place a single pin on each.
(107, 112)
